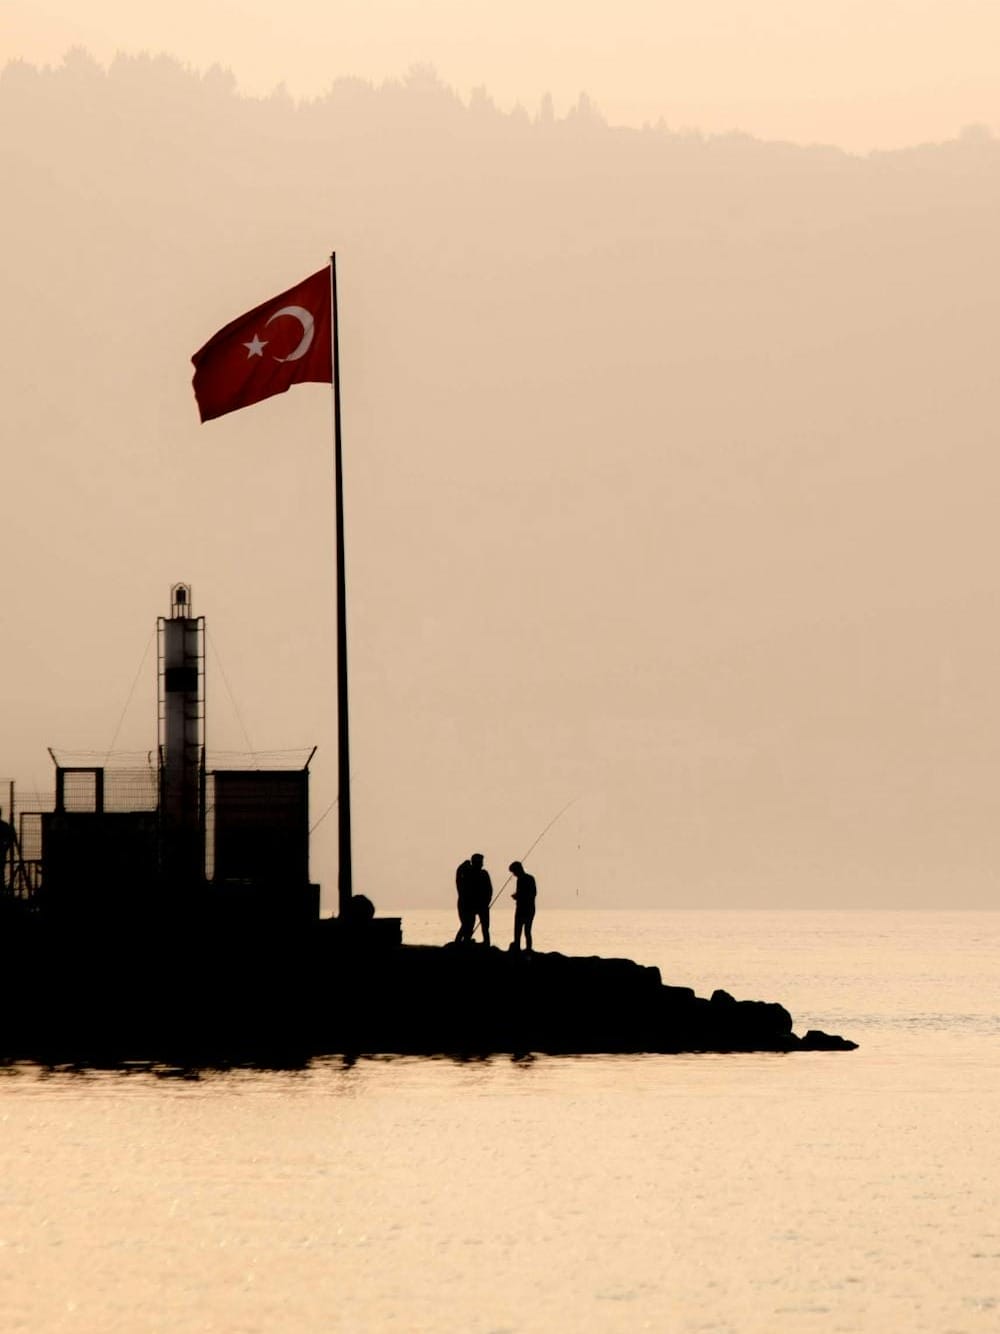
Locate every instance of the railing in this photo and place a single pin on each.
(23, 878)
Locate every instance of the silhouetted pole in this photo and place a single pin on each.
(345, 879)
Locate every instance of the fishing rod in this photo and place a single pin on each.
(328, 809)
(525, 855)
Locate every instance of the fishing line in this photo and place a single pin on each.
(524, 855)
(325, 813)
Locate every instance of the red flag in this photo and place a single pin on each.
(285, 341)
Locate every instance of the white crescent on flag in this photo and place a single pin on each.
(308, 329)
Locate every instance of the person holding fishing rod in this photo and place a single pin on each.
(476, 897)
(526, 890)
(524, 896)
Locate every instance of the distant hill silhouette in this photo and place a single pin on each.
(672, 467)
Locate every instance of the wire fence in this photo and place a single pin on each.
(262, 821)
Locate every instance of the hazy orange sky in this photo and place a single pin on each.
(862, 74)
(671, 462)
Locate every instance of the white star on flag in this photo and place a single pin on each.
(256, 348)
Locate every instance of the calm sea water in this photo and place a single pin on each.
(829, 1192)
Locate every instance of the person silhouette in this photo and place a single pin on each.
(524, 896)
(466, 911)
(481, 894)
(6, 843)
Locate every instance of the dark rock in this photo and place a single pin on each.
(224, 991)
(362, 910)
(816, 1040)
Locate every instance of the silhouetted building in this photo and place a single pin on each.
(124, 843)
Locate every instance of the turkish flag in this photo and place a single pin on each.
(285, 341)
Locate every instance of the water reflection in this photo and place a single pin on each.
(741, 1192)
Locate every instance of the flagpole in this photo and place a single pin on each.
(345, 879)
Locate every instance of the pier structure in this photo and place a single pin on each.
(162, 910)
(165, 832)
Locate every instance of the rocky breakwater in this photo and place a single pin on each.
(470, 999)
(215, 992)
